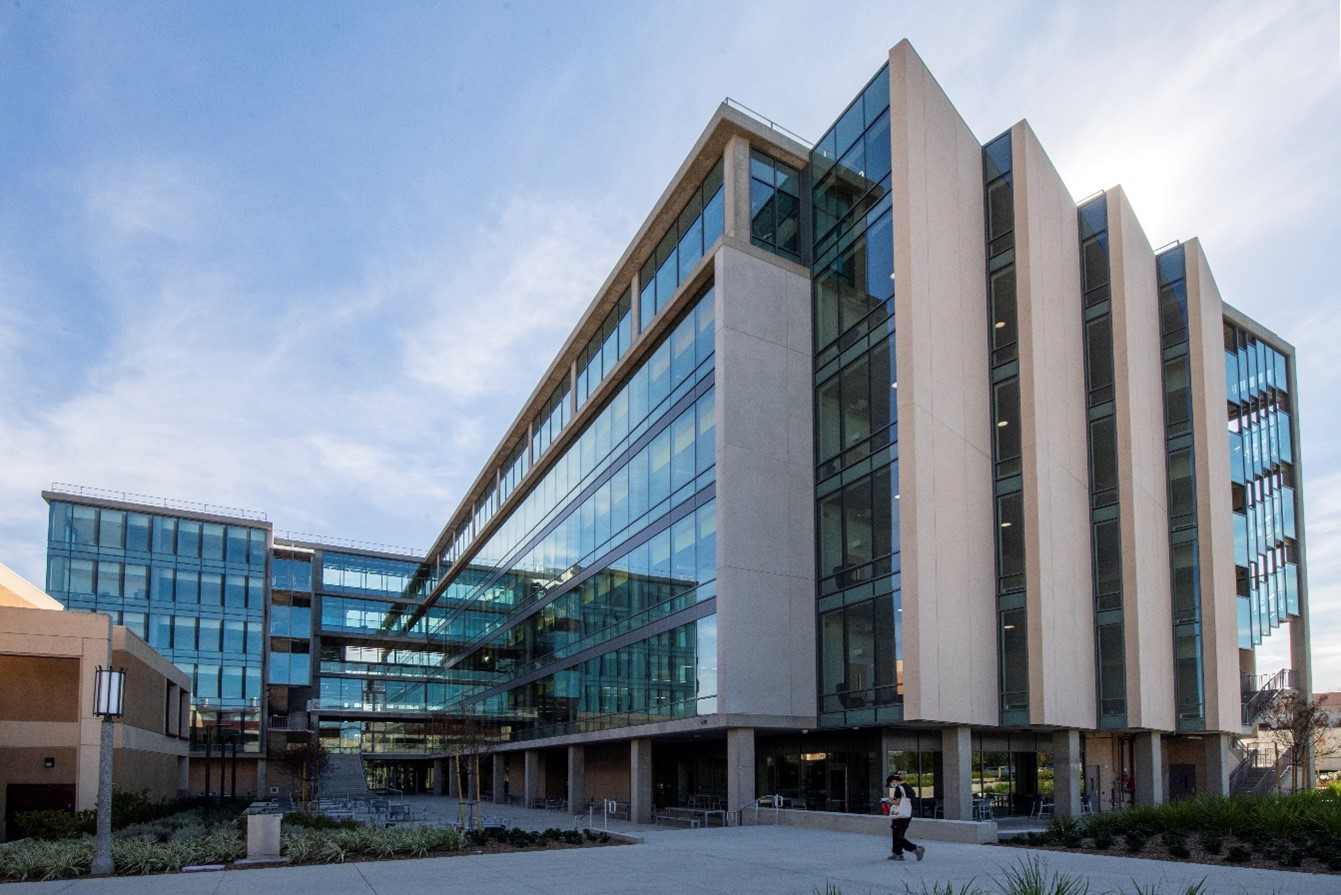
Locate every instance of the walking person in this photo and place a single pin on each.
(900, 816)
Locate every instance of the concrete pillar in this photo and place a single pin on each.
(739, 767)
(736, 187)
(957, 774)
(887, 745)
(534, 786)
(1148, 768)
(500, 775)
(640, 781)
(577, 778)
(1219, 765)
(453, 784)
(439, 776)
(1066, 772)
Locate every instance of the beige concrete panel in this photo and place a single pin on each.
(1054, 441)
(752, 411)
(1215, 529)
(945, 531)
(1143, 484)
(765, 488)
(770, 298)
(765, 643)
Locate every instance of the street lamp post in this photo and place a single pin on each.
(109, 690)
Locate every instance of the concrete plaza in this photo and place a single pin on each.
(762, 860)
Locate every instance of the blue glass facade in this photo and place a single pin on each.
(194, 588)
(616, 540)
(699, 225)
(378, 676)
(856, 416)
(1262, 469)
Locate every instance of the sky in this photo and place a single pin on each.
(309, 259)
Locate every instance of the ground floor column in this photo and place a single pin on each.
(739, 768)
(439, 776)
(1066, 772)
(1148, 767)
(500, 777)
(888, 744)
(1219, 764)
(640, 781)
(534, 785)
(957, 773)
(577, 778)
(453, 778)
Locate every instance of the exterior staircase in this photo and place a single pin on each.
(344, 778)
(1260, 692)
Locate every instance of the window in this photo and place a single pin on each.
(775, 205)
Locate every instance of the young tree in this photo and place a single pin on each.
(1299, 728)
(468, 741)
(306, 762)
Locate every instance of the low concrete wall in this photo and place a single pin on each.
(974, 832)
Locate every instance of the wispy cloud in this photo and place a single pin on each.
(500, 307)
(307, 406)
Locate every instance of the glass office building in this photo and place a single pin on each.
(998, 570)
(878, 453)
(189, 579)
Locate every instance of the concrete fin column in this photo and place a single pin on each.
(739, 767)
(453, 781)
(957, 773)
(1066, 772)
(1148, 767)
(500, 776)
(640, 781)
(736, 195)
(439, 775)
(1218, 768)
(534, 786)
(577, 777)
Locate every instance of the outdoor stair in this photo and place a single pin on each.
(344, 778)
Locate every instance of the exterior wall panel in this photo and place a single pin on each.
(945, 532)
(1205, 319)
(765, 491)
(1142, 477)
(1054, 444)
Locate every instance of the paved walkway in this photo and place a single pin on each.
(736, 861)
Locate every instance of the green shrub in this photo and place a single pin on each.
(318, 822)
(1065, 831)
(1103, 840)
(1030, 877)
(1238, 854)
(55, 823)
(1212, 842)
(36, 860)
(1134, 840)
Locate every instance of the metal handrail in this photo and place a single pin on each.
(1258, 699)
(765, 802)
(167, 503)
(763, 119)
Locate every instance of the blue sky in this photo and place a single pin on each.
(310, 258)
